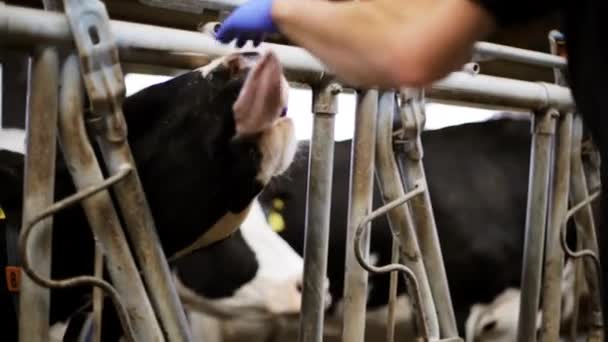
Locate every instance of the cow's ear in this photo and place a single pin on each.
(262, 98)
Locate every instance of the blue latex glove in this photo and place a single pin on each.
(251, 21)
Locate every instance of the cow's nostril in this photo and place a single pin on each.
(284, 112)
(299, 286)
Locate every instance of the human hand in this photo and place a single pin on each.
(251, 21)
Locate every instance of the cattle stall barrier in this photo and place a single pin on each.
(551, 103)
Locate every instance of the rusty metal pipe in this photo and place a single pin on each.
(578, 288)
(31, 227)
(360, 203)
(543, 131)
(583, 204)
(38, 191)
(585, 222)
(318, 207)
(409, 275)
(411, 166)
(554, 255)
(392, 294)
(100, 212)
(97, 296)
(400, 218)
(142, 233)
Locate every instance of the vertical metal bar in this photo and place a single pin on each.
(578, 288)
(554, 255)
(412, 168)
(97, 296)
(400, 218)
(543, 131)
(318, 206)
(361, 191)
(392, 294)
(142, 232)
(1, 86)
(585, 222)
(100, 212)
(39, 179)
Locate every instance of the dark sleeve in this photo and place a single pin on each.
(512, 12)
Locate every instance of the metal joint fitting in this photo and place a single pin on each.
(210, 28)
(413, 119)
(544, 122)
(98, 52)
(325, 98)
(471, 68)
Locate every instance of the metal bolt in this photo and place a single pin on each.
(335, 88)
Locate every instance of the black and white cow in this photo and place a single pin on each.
(267, 275)
(205, 142)
(478, 179)
(253, 274)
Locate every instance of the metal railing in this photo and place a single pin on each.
(396, 158)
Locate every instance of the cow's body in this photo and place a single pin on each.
(478, 179)
(200, 159)
(211, 279)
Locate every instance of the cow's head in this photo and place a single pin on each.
(207, 142)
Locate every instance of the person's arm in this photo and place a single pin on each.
(386, 43)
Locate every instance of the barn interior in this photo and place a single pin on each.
(194, 15)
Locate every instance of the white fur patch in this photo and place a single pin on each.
(275, 287)
(497, 321)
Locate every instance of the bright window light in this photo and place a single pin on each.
(300, 109)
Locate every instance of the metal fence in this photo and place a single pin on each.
(153, 313)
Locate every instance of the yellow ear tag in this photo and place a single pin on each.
(2, 216)
(278, 204)
(276, 222)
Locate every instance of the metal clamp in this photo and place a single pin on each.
(80, 280)
(100, 64)
(325, 100)
(413, 117)
(411, 277)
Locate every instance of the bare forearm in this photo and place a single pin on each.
(386, 43)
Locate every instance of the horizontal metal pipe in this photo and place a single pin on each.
(24, 26)
(483, 50)
(461, 86)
